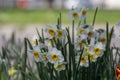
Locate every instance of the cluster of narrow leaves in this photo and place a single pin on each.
(84, 53)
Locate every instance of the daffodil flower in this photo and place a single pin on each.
(89, 52)
(84, 29)
(103, 38)
(80, 42)
(61, 34)
(74, 14)
(35, 40)
(80, 31)
(51, 31)
(59, 66)
(36, 53)
(83, 61)
(48, 42)
(90, 32)
(98, 49)
(83, 14)
(55, 56)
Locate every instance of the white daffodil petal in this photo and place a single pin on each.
(55, 55)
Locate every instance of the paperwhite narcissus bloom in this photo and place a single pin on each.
(59, 66)
(80, 31)
(90, 33)
(51, 31)
(61, 34)
(83, 14)
(84, 60)
(48, 42)
(80, 42)
(98, 49)
(55, 56)
(84, 29)
(35, 40)
(36, 53)
(74, 14)
(103, 38)
(90, 53)
(89, 30)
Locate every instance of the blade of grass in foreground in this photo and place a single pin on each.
(94, 19)
(24, 62)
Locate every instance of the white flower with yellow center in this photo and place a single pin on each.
(89, 52)
(74, 14)
(83, 61)
(89, 30)
(61, 34)
(51, 31)
(59, 66)
(90, 33)
(83, 14)
(36, 53)
(35, 40)
(48, 42)
(98, 49)
(80, 42)
(103, 38)
(80, 31)
(84, 29)
(55, 56)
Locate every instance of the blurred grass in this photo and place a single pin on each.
(49, 16)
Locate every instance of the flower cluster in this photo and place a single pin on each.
(78, 13)
(47, 52)
(53, 56)
(79, 52)
(89, 44)
(92, 42)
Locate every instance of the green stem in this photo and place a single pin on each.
(94, 16)
(73, 31)
(24, 60)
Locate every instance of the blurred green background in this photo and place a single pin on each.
(49, 16)
(47, 11)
